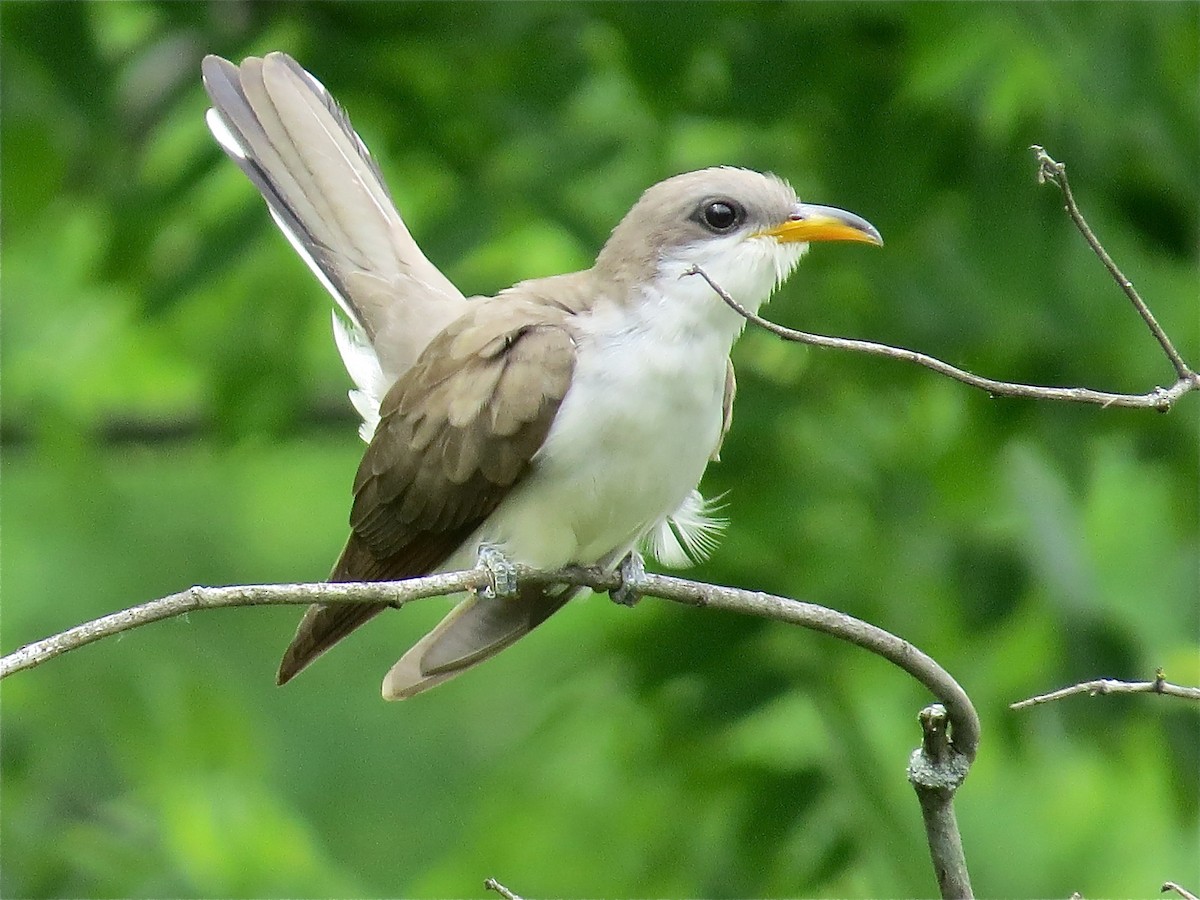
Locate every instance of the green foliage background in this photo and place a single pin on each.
(174, 413)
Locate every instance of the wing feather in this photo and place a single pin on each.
(429, 477)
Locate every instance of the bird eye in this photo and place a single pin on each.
(721, 215)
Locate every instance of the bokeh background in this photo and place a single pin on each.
(174, 413)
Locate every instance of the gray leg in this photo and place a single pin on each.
(632, 570)
(502, 571)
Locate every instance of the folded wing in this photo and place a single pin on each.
(457, 432)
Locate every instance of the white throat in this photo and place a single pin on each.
(749, 269)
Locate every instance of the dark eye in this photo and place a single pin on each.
(721, 215)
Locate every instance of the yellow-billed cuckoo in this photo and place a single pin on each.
(567, 420)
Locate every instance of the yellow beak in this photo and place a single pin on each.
(810, 222)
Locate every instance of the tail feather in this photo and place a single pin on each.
(324, 624)
(327, 194)
(475, 630)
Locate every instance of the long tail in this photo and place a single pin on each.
(323, 625)
(326, 193)
(475, 630)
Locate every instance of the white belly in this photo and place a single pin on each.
(630, 441)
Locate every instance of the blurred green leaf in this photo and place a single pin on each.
(174, 412)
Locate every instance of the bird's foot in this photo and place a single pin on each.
(502, 572)
(632, 571)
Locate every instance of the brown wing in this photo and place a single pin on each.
(456, 432)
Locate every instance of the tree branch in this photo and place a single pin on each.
(1110, 686)
(964, 723)
(1161, 399)
(394, 593)
(963, 719)
(935, 770)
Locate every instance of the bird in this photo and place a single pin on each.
(566, 420)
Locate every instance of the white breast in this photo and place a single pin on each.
(630, 441)
(643, 414)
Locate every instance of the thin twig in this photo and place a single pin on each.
(1111, 686)
(1161, 399)
(493, 885)
(1055, 172)
(1181, 891)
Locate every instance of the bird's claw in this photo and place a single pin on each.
(502, 572)
(631, 571)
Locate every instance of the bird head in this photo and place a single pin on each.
(746, 230)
